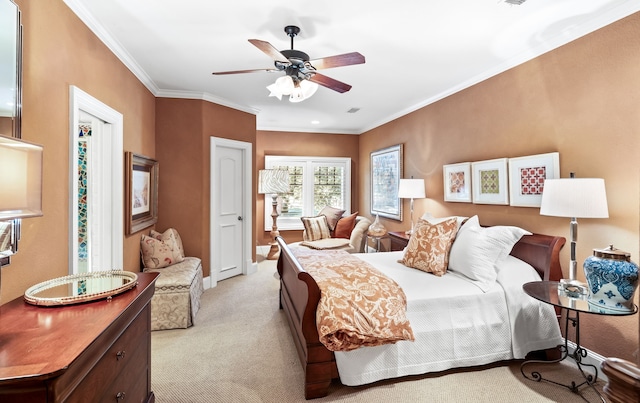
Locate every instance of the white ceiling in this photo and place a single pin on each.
(417, 51)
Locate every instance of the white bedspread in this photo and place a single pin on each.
(455, 324)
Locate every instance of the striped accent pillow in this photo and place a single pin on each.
(315, 228)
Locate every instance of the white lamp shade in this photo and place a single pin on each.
(304, 90)
(272, 181)
(411, 189)
(285, 85)
(274, 92)
(574, 197)
(20, 179)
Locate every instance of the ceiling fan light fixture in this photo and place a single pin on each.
(285, 85)
(303, 89)
(297, 95)
(273, 91)
(308, 88)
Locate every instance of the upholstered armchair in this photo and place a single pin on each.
(356, 242)
(358, 239)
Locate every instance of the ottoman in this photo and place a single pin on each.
(177, 297)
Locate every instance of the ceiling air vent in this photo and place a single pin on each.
(516, 2)
(353, 110)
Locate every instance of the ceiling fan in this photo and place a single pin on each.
(300, 71)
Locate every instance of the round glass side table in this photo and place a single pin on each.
(554, 293)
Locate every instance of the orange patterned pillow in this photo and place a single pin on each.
(429, 246)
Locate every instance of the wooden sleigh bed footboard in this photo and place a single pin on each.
(300, 295)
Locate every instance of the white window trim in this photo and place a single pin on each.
(294, 223)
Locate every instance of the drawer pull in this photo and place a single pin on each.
(120, 355)
(120, 396)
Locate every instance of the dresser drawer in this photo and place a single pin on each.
(131, 386)
(130, 349)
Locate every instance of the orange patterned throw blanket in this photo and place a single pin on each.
(359, 306)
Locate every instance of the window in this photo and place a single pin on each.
(314, 182)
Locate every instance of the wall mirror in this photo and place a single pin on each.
(10, 104)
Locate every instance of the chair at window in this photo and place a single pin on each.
(331, 230)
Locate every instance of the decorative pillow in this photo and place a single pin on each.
(429, 246)
(157, 254)
(171, 236)
(327, 243)
(315, 228)
(345, 226)
(333, 215)
(478, 251)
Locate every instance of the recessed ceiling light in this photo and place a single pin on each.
(315, 122)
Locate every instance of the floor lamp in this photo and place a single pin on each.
(273, 182)
(411, 189)
(574, 198)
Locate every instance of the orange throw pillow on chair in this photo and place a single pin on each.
(345, 226)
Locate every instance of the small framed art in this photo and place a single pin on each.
(527, 176)
(141, 184)
(490, 184)
(386, 171)
(457, 182)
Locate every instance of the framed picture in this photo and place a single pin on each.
(386, 171)
(141, 183)
(527, 176)
(457, 182)
(490, 185)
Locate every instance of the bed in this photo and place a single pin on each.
(476, 326)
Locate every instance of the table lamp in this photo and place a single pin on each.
(411, 189)
(20, 179)
(574, 198)
(273, 182)
(21, 187)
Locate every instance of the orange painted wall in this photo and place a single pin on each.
(184, 128)
(59, 51)
(305, 144)
(6, 126)
(582, 100)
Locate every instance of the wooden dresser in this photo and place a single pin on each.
(93, 352)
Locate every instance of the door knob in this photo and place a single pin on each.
(239, 218)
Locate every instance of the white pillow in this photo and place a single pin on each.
(478, 251)
(434, 220)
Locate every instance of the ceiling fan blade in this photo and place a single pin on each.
(330, 83)
(269, 50)
(220, 73)
(346, 59)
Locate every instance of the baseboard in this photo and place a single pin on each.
(592, 359)
(252, 267)
(262, 251)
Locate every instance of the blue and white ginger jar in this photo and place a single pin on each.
(612, 279)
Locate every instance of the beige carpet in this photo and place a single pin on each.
(240, 350)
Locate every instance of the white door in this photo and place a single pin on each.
(230, 212)
(96, 188)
